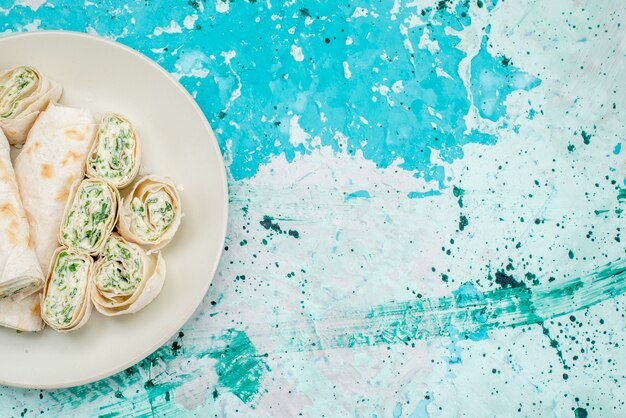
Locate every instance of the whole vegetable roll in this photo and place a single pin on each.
(24, 93)
(89, 216)
(115, 155)
(52, 160)
(66, 299)
(126, 278)
(24, 315)
(151, 213)
(20, 274)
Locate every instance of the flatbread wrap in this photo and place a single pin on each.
(20, 274)
(51, 162)
(23, 315)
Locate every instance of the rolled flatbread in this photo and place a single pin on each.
(90, 216)
(126, 278)
(52, 160)
(115, 155)
(150, 214)
(24, 94)
(20, 274)
(23, 315)
(66, 299)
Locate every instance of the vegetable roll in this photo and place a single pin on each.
(89, 216)
(20, 274)
(52, 160)
(151, 213)
(115, 155)
(24, 94)
(126, 278)
(66, 300)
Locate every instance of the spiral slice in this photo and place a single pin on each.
(89, 216)
(125, 278)
(66, 299)
(151, 213)
(115, 154)
(24, 93)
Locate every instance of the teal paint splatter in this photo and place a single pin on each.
(580, 413)
(240, 369)
(463, 222)
(586, 137)
(422, 407)
(419, 195)
(397, 410)
(359, 194)
(494, 78)
(268, 76)
(617, 149)
(458, 193)
(238, 365)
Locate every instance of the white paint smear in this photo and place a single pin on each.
(173, 27)
(296, 53)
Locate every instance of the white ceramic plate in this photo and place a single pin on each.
(178, 142)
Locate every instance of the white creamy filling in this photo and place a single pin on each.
(114, 157)
(154, 216)
(17, 84)
(87, 220)
(27, 287)
(120, 273)
(66, 290)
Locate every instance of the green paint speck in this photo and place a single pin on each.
(586, 137)
(463, 222)
(458, 193)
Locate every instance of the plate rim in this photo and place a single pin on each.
(223, 178)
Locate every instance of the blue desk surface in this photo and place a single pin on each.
(425, 199)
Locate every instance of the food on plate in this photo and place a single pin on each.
(20, 274)
(66, 299)
(60, 204)
(24, 94)
(89, 216)
(52, 160)
(150, 214)
(115, 155)
(23, 315)
(126, 278)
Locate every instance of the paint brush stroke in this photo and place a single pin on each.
(465, 312)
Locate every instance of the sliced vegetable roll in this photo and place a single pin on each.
(125, 277)
(90, 216)
(66, 299)
(151, 213)
(115, 154)
(24, 93)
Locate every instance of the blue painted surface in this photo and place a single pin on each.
(380, 156)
